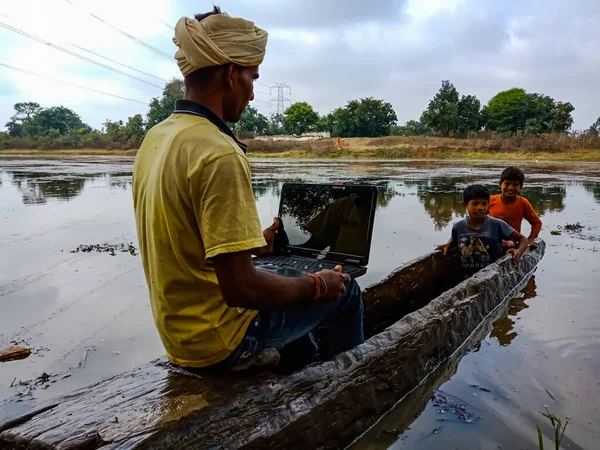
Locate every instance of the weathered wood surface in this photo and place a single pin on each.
(158, 406)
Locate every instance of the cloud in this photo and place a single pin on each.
(328, 51)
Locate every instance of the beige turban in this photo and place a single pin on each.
(217, 40)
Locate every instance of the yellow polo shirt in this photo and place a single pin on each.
(193, 200)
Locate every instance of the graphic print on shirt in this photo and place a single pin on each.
(474, 253)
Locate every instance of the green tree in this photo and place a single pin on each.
(442, 112)
(508, 110)
(483, 118)
(114, 130)
(561, 120)
(275, 127)
(516, 110)
(252, 122)
(161, 108)
(324, 123)
(412, 128)
(25, 111)
(56, 118)
(366, 117)
(374, 117)
(134, 129)
(596, 126)
(469, 114)
(300, 117)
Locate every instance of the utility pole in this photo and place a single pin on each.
(281, 87)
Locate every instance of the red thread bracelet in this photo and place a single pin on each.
(317, 281)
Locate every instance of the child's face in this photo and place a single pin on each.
(477, 208)
(510, 188)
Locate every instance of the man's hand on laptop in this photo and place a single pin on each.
(269, 235)
(335, 281)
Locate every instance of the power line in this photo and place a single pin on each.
(280, 98)
(170, 27)
(77, 55)
(117, 62)
(71, 84)
(129, 36)
(263, 84)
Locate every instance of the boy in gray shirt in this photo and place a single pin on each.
(478, 236)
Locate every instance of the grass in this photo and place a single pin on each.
(557, 425)
(541, 148)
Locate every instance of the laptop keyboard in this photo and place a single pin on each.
(303, 264)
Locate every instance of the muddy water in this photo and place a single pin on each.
(86, 315)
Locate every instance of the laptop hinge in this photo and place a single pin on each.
(353, 261)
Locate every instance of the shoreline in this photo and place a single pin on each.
(362, 154)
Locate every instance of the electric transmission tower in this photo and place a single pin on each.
(281, 87)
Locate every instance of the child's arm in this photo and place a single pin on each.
(523, 244)
(453, 240)
(445, 247)
(534, 220)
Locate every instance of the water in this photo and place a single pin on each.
(86, 315)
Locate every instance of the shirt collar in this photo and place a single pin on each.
(183, 106)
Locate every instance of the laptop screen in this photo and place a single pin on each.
(334, 222)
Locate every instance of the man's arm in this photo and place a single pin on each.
(242, 285)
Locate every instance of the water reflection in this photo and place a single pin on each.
(594, 189)
(502, 329)
(546, 199)
(36, 188)
(441, 196)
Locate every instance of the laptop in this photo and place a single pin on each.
(321, 226)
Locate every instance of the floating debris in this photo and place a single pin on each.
(14, 352)
(555, 233)
(443, 403)
(575, 227)
(112, 249)
(480, 388)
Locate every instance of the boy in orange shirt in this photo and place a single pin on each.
(512, 208)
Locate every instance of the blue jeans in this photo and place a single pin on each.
(277, 328)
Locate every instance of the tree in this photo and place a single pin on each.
(56, 118)
(367, 117)
(114, 130)
(561, 120)
(252, 122)
(374, 117)
(442, 112)
(300, 118)
(469, 112)
(25, 111)
(134, 129)
(412, 128)
(161, 108)
(516, 110)
(15, 129)
(275, 127)
(596, 126)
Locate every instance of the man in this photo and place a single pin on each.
(198, 226)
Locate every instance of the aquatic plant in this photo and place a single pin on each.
(557, 425)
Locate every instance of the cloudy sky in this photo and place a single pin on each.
(327, 51)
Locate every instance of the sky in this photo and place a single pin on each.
(327, 51)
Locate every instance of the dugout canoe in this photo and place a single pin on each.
(415, 319)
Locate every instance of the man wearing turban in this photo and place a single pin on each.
(198, 226)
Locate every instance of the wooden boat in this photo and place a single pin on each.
(414, 320)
